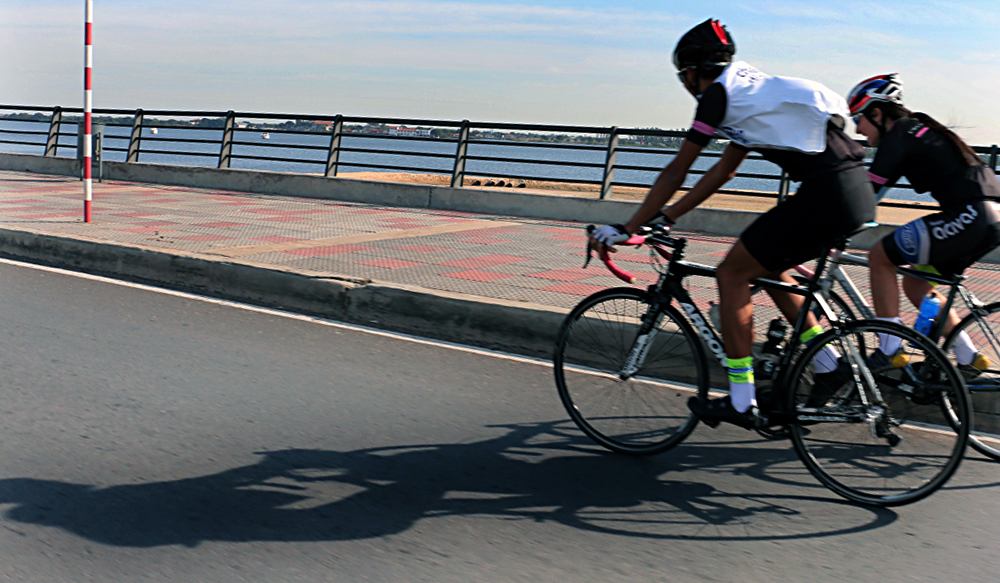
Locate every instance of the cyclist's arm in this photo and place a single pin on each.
(667, 183)
(887, 165)
(709, 115)
(718, 175)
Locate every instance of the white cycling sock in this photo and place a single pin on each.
(964, 349)
(889, 343)
(826, 359)
(742, 395)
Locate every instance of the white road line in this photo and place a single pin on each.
(285, 314)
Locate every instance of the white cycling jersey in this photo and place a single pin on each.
(764, 111)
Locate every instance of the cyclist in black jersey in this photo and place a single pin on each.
(933, 159)
(798, 125)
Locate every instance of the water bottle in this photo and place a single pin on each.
(929, 309)
(772, 349)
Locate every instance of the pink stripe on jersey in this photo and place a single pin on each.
(702, 127)
(877, 179)
(922, 132)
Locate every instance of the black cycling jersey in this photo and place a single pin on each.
(931, 162)
(841, 151)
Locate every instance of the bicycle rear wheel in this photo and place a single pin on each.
(984, 388)
(646, 411)
(889, 445)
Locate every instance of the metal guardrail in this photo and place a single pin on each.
(462, 135)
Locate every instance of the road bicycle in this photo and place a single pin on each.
(627, 360)
(982, 323)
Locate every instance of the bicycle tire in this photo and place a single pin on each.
(895, 457)
(646, 413)
(984, 389)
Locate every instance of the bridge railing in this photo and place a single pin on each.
(460, 148)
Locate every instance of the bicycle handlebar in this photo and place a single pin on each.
(633, 241)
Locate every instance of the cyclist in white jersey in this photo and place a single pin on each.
(798, 125)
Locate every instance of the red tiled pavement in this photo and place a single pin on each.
(422, 249)
(565, 274)
(477, 275)
(278, 239)
(220, 224)
(203, 238)
(328, 250)
(484, 261)
(391, 263)
(541, 260)
(485, 241)
(574, 289)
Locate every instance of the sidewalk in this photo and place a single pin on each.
(481, 258)
(480, 255)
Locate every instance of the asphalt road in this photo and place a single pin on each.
(153, 437)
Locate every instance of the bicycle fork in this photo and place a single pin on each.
(643, 342)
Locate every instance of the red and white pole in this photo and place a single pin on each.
(88, 104)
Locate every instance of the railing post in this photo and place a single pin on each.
(52, 143)
(226, 153)
(458, 174)
(333, 158)
(993, 157)
(783, 186)
(135, 138)
(609, 164)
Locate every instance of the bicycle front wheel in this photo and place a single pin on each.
(879, 437)
(629, 405)
(984, 385)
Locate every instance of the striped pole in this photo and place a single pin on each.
(88, 103)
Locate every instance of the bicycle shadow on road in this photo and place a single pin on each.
(533, 472)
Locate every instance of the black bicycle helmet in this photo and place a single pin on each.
(706, 47)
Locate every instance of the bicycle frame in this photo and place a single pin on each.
(670, 286)
(836, 274)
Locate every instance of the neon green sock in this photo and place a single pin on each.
(740, 369)
(811, 333)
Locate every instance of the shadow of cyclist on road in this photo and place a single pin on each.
(534, 472)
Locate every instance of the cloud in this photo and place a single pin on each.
(575, 63)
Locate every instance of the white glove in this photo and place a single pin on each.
(611, 235)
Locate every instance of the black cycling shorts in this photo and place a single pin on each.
(949, 241)
(803, 227)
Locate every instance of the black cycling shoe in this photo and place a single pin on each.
(714, 411)
(826, 384)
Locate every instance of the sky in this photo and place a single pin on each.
(581, 62)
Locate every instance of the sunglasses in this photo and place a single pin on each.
(857, 120)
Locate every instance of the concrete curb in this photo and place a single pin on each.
(503, 325)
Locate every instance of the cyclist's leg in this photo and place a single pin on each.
(909, 244)
(882, 275)
(960, 237)
(734, 275)
(916, 289)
